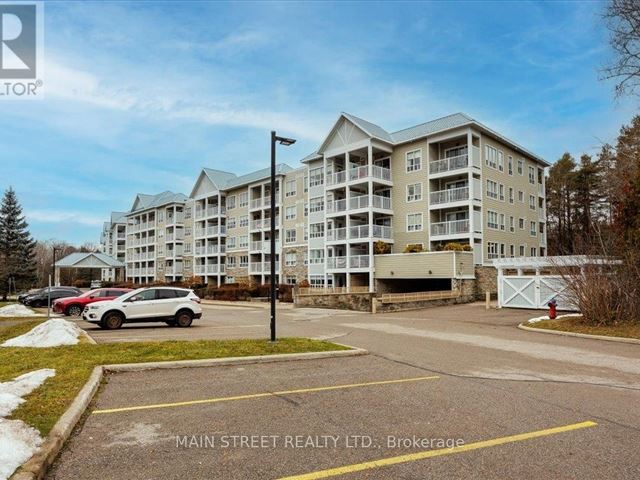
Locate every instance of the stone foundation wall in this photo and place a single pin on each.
(404, 306)
(343, 301)
(486, 280)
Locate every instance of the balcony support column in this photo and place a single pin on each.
(470, 183)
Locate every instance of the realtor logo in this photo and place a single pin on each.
(18, 40)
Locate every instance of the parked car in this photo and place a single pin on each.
(34, 291)
(175, 306)
(75, 305)
(41, 298)
(95, 284)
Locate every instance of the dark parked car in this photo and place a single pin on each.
(41, 297)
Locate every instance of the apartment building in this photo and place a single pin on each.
(364, 190)
(155, 232)
(113, 242)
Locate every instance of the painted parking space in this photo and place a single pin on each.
(310, 419)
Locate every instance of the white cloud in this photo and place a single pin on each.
(64, 217)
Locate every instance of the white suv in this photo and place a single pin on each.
(175, 306)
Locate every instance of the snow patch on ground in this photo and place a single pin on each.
(52, 333)
(559, 317)
(17, 310)
(18, 441)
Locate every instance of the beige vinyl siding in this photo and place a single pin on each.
(424, 265)
(517, 209)
(401, 208)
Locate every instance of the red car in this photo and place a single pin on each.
(75, 305)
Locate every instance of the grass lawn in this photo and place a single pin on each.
(73, 364)
(574, 324)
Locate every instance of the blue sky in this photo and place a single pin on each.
(141, 95)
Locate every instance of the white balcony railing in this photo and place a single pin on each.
(358, 202)
(450, 228)
(448, 164)
(354, 261)
(255, 246)
(360, 231)
(450, 195)
(359, 173)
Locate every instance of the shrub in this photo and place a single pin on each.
(414, 248)
(81, 283)
(456, 247)
(381, 248)
(304, 284)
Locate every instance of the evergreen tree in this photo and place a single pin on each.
(587, 199)
(560, 205)
(17, 261)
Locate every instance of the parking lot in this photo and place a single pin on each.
(523, 404)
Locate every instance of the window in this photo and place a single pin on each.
(290, 188)
(290, 213)
(165, 293)
(187, 247)
(534, 229)
(290, 259)
(244, 221)
(316, 177)
(500, 161)
(414, 160)
(512, 224)
(503, 250)
(231, 202)
(511, 197)
(231, 262)
(231, 223)
(491, 156)
(521, 223)
(290, 235)
(187, 212)
(414, 192)
(160, 216)
(520, 167)
(532, 202)
(306, 233)
(244, 261)
(520, 196)
(316, 204)
(534, 252)
(317, 230)
(306, 184)
(229, 279)
(316, 255)
(512, 250)
(522, 250)
(187, 231)
(492, 189)
(532, 175)
(510, 166)
(492, 250)
(243, 200)
(244, 241)
(306, 209)
(306, 258)
(492, 219)
(501, 192)
(501, 217)
(231, 242)
(414, 222)
(316, 280)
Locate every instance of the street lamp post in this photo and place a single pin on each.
(273, 290)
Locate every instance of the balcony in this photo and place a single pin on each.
(212, 231)
(358, 202)
(210, 250)
(450, 195)
(174, 270)
(212, 269)
(452, 164)
(360, 232)
(364, 172)
(175, 219)
(456, 227)
(354, 261)
(266, 223)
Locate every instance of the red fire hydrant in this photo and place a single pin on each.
(552, 309)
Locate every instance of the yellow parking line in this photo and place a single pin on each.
(385, 462)
(261, 395)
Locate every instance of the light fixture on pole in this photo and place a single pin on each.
(273, 291)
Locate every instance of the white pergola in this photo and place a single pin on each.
(89, 260)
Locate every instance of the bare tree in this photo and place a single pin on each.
(623, 21)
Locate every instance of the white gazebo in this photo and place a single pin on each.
(91, 260)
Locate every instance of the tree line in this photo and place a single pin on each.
(593, 204)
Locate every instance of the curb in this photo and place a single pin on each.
(36, 467)
(580, 335)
